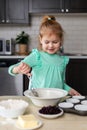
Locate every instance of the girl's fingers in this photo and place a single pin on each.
(29, 74)
(26, 71)
(23, 68)
(21, 64)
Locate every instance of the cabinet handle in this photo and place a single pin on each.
(7, 21)
(3, 64)
(19, 60)
(67, 10)
(3, 21)
(62, 10)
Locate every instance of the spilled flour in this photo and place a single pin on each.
(4, 121)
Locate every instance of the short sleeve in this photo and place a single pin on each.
(33, 59)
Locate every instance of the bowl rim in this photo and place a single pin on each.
(27, 92)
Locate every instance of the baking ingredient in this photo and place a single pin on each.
(27, 121)
(13, 104)
(12, 108)
(50, 110)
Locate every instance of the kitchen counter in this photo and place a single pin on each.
(23, 56)
(76, 55)
(11, 56)
(65, 122)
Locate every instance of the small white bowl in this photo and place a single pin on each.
(66, 105)
(78, 97)
(47, 96)
(72, 100)
(84, 102)
(81, 107)
(12, 108)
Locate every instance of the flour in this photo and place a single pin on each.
(13, 104)
(12, 108)
(5, 121)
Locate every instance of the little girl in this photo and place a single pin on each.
(48, 66)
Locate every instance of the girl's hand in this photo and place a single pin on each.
(22, 68)
(73, 92)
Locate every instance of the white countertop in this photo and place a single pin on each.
(77, 57)
(23, 56)
(11, 56)
(65, 122)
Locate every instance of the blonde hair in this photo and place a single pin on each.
(49, 23)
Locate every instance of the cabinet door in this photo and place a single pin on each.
(45, 6)
(76, 75)
(16, 11)
(2, 11)
(76, 6)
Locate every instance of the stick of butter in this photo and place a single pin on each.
(27, 121)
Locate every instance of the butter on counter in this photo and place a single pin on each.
(27, 121)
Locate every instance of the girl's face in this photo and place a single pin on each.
(50, 43)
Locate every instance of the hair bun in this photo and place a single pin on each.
(48, 18)
(51, 18)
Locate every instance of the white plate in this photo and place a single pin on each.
(39, 125)
(84, 102)
(66, 105)
(81, 107)
(49, 116)
(79, 97)
(73, 100)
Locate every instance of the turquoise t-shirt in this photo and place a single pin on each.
(48, 70)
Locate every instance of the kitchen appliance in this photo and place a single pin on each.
(10, 85)
(7, 47)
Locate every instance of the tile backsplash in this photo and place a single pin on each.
(74, 25)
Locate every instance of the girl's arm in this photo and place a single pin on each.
(24, 66)
(73, 92)
(20, 68)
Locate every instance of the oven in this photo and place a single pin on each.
(11, 85)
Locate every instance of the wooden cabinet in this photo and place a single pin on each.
(13, 11)
(76, 75)
(58, 6)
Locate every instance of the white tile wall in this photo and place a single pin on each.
(74, 25)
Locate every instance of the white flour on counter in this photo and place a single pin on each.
(4, 121)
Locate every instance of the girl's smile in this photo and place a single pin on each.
(50, 43)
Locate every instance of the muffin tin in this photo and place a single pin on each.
(78, 105)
